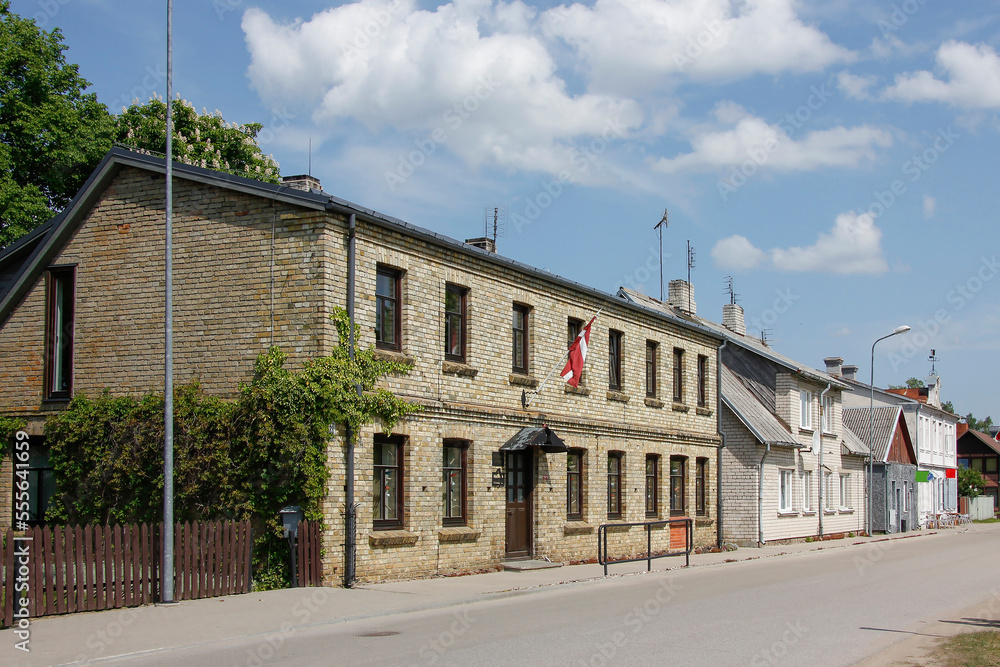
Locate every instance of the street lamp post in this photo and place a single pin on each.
(871, 429)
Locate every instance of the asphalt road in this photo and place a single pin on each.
(832, 607)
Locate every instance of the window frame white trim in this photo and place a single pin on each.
(805, 409)
(785, 491)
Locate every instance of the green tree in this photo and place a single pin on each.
(911, 383)
(970, 483)
(52, 134)
(205, 140)
(981, 425)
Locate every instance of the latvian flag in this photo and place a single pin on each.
(577, 355)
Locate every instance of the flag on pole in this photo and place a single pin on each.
(577, 356)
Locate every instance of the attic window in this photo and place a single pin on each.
(61, 286)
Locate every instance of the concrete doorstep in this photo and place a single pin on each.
(98, 637)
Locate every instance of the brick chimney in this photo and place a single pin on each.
(485, 243)
(732, 318)
(849, 372)
(302, 182)
(961, 428)
(680, 295)
(833, 366)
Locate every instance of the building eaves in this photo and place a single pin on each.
(763, 424)
(985, 439)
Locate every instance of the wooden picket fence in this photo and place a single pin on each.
(72, 568)
(309, 570)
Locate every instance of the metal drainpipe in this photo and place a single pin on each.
(822, 473)
(760, 496)
(718, 455)
(350, 509)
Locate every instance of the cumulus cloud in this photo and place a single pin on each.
(770, 146)
(930, 207)
(852, 246)
(704, 39)
(491, 94)
(856, 86)
(971, 78)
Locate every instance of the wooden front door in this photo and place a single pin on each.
(519, 504)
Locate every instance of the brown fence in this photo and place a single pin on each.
(66, 569)
(309, 571)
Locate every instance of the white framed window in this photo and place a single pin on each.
(828, 490)
(805, 409)
(827, 417)
(784, 490)
(807, 491)
(845, 492)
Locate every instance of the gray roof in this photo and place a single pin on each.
(880, 422)
(852, 444)
(763, 423)
(746, 342)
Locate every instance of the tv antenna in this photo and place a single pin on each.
(495, 217)
(690, 263)
(734, 298)
(763, 336)
(933, 358)
(660, 226)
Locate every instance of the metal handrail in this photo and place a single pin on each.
(602, 542)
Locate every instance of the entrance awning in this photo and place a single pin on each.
(540, 436)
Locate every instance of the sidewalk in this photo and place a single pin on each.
(96, 637)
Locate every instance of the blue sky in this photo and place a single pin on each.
(837, 158)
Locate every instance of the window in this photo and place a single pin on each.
(651, 369)
(614, 360)
(963, 463)
(652, 485)
(574, 484)
(828, 490)
(519, 340)
(677, 499)
(784, 490)
(37, 475)
(454, 489)
(455, 322)
(59, 333)
(827, 417)
(845, 492)
(991, 464)
(678, 375)
(977, 464)
(702, 380)
(807, 493)
(805, 409)
(387, 308)
(387, 499)
(615, 484)
(701, 487)
(573, 328)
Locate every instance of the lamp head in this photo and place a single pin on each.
(902, 329)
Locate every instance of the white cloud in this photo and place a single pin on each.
(631, 44)
(852, 246)
(751, 139)
(736, 253)
(930, 207)
(972, 78)
(856, 86)
(491, 96)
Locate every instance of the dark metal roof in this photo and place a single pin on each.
(535, 436)
(763, 423)
(882, 422)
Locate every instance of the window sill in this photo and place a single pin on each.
(522, 380)
(577, 527)
(458, 534)
(392, 538)
(808, 512)
(810, 431)
(394, 356)
(829, 512)
(846, 510)
(787, 513)
(705, 412)
(579, 391)
(679, 407)
(703, 522)
(457, 368)
(618, 396)
(653, 402)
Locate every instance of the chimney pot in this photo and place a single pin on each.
(302, 182)
(849, 372)
(833, 366)
(732, 318)
(680, 295)
(484, 243)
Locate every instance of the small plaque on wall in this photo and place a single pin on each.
(497, 459)
(498, 478)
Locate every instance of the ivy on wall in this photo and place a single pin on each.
(246, 458)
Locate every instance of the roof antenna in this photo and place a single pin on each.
(659, 227)
(310, 172)
(690, 255)
(734, 298)
(497, 216)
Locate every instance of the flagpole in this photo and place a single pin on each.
(525, 401)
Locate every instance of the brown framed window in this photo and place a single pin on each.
(455, 322)
(387, 496)
(700, 486)
(678, 501)
(455, 482)
(519, 339)
(39, 477)
(652, 485)
(573, 328)
(702, 380)
(574, 484)
(651, 368)
(614, 360)
(678, 375)
(387, 308)
(615, 484)
(60, 320)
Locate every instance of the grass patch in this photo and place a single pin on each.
(975, 649)
(987, 521)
